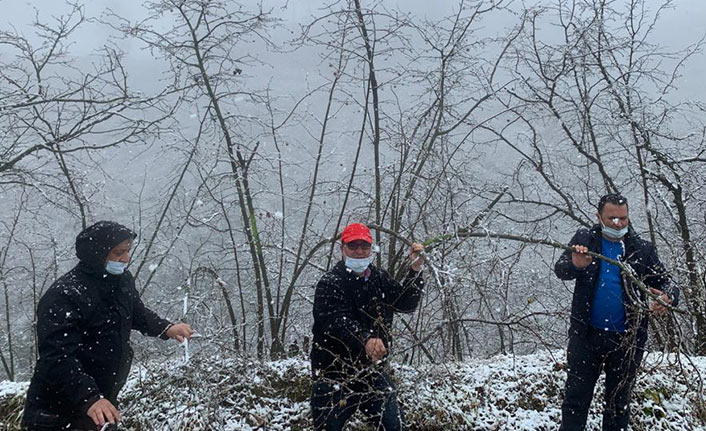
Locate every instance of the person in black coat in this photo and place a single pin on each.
(353, 311)
(83, 330)
(609, 313)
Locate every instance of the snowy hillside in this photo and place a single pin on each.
(502, 393)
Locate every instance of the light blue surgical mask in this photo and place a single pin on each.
(614, 233)
(357, 265)
(115, 268)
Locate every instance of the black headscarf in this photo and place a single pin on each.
(95, 242)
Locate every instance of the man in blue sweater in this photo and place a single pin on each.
(609, 313)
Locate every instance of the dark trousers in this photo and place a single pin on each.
(616, 354)
(375, 395)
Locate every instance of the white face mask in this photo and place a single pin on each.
(115, 268)
(357, 265)
(612, 232)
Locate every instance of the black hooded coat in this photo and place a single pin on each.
(83, 329)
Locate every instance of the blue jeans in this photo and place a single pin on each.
(375, 395)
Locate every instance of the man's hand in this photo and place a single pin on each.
(180, 332)
(103, 411)
(579, 257)
(375, 349)
(656, 308)
(415, 256)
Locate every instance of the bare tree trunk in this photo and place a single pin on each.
(168, 204)
(226, 298)
(72, 186)
(284, 310)
(370, 55)
(239, 167)
(8, 361)
(354, 168)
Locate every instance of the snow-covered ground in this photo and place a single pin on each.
(502, 393)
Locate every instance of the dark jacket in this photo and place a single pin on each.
(83, 329)
(348, 310)
(641, 255)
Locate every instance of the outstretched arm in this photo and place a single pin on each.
(405, 297)
(660, 283)
(149, 323)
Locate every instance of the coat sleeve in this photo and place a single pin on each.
(146, 320)
(59, 320)
(658, 277)
(336, 315)
(564, 267)
(404, 297)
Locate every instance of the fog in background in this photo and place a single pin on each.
(468, 148)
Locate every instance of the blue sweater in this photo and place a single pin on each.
(608, 311)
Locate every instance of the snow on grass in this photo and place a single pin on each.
(502, 393)
(12, 396)
(8, 389)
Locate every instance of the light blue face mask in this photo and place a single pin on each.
(357, 265)
(614, 233)
(115, 268)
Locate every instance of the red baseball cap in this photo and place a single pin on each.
(356, 231)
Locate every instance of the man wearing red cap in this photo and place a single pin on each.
(353, 310)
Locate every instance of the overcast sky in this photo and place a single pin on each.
(679, 27)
